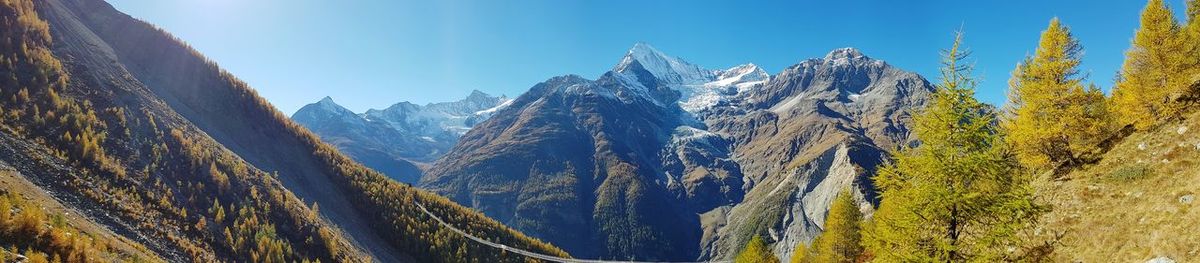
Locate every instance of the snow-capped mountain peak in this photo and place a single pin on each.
(699, 88)
(667, 69)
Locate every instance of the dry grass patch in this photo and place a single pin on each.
(1131, 206)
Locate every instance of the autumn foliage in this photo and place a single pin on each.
(1055, 115)
(1159, 69)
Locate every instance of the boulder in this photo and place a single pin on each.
(1161, 259)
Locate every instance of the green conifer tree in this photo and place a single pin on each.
(960, 195)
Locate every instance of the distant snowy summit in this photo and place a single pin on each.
(439, 121)
(699, 88)
(391, 139)
(407, 133)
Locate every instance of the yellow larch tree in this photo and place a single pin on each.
(1054, 115)
(1152, 77)
(840, 240)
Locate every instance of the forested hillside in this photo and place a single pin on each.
(144, 136)
(135, 167)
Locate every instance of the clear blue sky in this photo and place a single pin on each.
(371, 54)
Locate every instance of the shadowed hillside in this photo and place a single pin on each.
(146, 137)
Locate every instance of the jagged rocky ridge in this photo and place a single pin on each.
(393, 140)
(660, 159)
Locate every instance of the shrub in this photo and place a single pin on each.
(1131, 172)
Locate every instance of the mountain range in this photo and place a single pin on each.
(396, 139)
(121, 143)
(661, 159)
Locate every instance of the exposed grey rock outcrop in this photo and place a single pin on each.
(660, 159)
(1162, 259)
(788, 133)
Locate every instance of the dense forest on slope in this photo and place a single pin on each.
(39, 237)
(136, 147)
(169, 184)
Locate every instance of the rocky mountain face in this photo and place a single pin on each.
(660, 159)
(392, 139)
(817, 127)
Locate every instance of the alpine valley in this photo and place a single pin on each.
(657, 159)
(661, 159)
(119, 142)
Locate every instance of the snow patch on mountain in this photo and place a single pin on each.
(787, 105)
(423, 131)
(844, 54)
(492, 110)
(684, 134)
(433, 119)
(727, 83)
(699, 88)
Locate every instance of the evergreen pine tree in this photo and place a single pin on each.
(840, 240)
(960, 195)
(756, 252)
(1054, 116)
(1152, 76)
